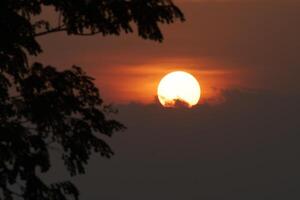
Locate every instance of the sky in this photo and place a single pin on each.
(240, 142)
(246, 44)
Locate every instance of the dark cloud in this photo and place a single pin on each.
(244, 148)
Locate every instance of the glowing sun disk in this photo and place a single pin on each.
(178, 87)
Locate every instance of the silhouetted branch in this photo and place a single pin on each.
(60, 29)
(54, 30)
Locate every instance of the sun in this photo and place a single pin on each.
(178, 88)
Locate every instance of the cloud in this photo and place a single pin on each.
(244, 148)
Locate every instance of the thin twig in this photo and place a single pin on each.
(60, 29)
(54, 30)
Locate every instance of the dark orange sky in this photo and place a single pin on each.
(225, 44)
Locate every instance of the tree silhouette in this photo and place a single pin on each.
(41, 107)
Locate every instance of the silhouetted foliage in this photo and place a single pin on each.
(177, 103)
(181, 103)
(41, 107)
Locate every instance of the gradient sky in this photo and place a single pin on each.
(243, 52)
(249, 44)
